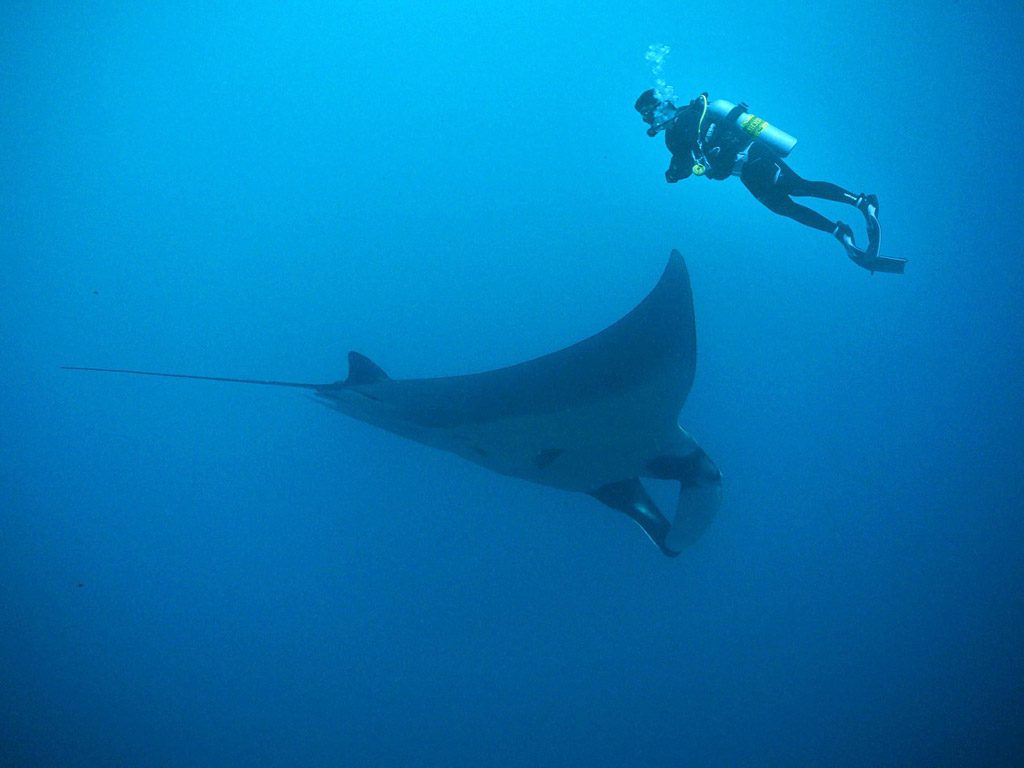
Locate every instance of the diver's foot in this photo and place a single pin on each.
(867, 204)
(843, 233)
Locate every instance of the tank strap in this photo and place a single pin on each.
(741, 159)
(734, 114)
(719, 129)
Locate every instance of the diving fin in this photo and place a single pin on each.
(872, 262)
(868, 205)
(869, 259)
(890, 264)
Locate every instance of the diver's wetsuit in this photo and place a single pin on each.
(680, 138)
(767, 176)
(773, 182)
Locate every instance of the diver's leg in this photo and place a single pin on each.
(824, 190)
(772, 181)
(792, 183)
(769, 180)
(781, 204)
(775, 200)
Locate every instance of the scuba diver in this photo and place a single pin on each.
(719, 139)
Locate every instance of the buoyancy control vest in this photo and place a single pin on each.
(721, 148)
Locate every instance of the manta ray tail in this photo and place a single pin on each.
(265, 382)
(361, 370)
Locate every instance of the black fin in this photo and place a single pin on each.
(889, 264)
(362, 370)
(869, 207)
(872, 261)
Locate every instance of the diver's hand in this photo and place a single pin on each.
(677, 169)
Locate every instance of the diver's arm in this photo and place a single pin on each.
(678, 169)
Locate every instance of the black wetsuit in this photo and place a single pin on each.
(680, 138)
(773, 182)
(766, 175)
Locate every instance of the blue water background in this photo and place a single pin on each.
(203, 574)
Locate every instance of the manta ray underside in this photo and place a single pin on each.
(594, 417)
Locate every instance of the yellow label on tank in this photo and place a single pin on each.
(754, 125)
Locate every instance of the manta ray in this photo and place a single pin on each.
(592, 418)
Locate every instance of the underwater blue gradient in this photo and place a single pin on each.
(212, 575)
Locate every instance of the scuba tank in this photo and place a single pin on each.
(737, 119)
